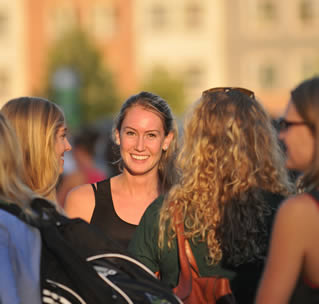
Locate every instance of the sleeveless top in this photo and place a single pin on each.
(105, 217)
(305, 291)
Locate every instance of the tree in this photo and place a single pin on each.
(95, 93)
(168, 86)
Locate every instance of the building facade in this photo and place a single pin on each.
(265, 45)
(12, 45)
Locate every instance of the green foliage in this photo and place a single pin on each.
(170, 87)
(96, 94)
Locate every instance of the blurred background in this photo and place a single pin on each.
(90, 55)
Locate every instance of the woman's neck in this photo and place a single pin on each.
(138, 184)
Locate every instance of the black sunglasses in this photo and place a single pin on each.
(284, 124)
(247, 92)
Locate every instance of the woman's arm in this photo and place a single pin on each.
(80, 202)
(287, 251)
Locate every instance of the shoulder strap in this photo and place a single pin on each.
(315, 194)
(11, 208)
(186, 260)
(94, 188)
(19, 213)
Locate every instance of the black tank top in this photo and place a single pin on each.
(106, 219)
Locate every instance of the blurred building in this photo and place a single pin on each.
(13, 58)
(265, 45)
(271, 46)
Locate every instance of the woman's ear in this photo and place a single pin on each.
(117, 137)
(167, 140)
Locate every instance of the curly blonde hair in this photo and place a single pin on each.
(230, 149)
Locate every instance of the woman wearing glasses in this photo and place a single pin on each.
(232, 179)
(292, 271)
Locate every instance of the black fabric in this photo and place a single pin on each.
(73, 261)
(248, 275)
(315, 194)
(304, 294)
(105, 218)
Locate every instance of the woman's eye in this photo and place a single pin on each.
(129, 133)
(151, 135)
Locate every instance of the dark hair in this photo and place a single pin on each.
(160, 107)
(305, 98)
(86, 138)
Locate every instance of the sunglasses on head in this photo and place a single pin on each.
(284, 124)
(247, 92)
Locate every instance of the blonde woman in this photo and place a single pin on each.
(292, 270)
(41, 131)
(20, 244)
(232, 180)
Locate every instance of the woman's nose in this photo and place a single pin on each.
(140, 143)
(68, 146)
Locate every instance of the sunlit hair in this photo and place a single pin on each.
(36, 122)
(12, 187)
(158, 106)
(305, 98)
(230, 153)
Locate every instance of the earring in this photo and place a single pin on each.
(165, 148)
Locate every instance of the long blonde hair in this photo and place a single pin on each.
(12, 186)
(36, 122)
(229, 150)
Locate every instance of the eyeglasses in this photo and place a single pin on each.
(247, 92)
(284, 124)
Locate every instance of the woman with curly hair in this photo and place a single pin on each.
(232, 179)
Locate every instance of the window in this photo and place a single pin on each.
(64, 19)
(267, 10)
(4, 83)
(103, 23)
(4, 20)
(267, 76)
(159, 17)
(194, 76)
(306, 10)
(193, 15)
(309, 67)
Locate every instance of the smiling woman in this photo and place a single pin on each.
(146, 134)
(41, 130)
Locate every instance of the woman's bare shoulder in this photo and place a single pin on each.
(80, 202)
(298, 208)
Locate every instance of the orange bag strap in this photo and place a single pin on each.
(186, 260)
